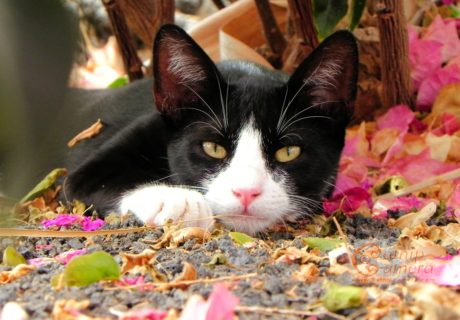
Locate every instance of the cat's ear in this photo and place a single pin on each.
(182, 71)
(330, 72)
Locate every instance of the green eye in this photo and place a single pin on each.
(286, 154)
(214, 150)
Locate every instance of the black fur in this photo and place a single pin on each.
(141, 143)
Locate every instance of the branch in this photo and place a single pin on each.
(396, 81)
(273, 35)
(132, 63)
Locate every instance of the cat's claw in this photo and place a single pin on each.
(155, 205)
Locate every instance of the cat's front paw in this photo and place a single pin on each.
(156, 204)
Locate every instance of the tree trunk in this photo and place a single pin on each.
(394, 49)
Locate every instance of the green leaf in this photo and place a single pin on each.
(323, 244)
(217, 259)
(327, 14)
(45, 184)
(357, 9)
(90, 268)
(339, 297)
(12, 258)
(119, 82)
(241, 238)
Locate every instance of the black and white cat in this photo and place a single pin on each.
(233, 141)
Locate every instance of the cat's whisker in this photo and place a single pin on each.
(224, 115)
(286, 124)
(282, 114)
(207, 105)
(306, 118)
(226, 100)
(206, 125)
(284, 136)
(166, 177)
(217, 123)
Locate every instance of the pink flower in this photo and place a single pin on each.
(430, 87)
(445, 33)
(348, 201)
(425, 58)
(62, 220)
(143, 314)
(416, 168)
(65, 257)
(220, 306)
(399, 117)
(443, 271)
(88, 224)
(405, 204)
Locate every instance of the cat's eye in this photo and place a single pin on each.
(288, 153)
(214, 150)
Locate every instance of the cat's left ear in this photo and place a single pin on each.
(330, 72)
(182, 71)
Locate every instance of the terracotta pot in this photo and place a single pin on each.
(235, 32)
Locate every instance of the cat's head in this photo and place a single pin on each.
(262, 146)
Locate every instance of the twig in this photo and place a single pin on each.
(394, 52)
(15, 232)
(175, 284)
(131, 61)
(286, 312)
(451, 175)
(305, 37)
(273, 35)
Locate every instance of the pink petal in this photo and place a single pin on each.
(430, 87)
(444, 32)
(416, 168)
(405, 204)
(88, 224)
(348, 201)
(65, 257)
(195, 309)
(221, 303)
(144, 314)
(425, 58)
(399, 117)
(442, 271)
(62, 220)
(450, 274)
(39, 262)
(450, 123)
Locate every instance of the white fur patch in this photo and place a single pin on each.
(156, 204)
(247, 170)
(182, 65)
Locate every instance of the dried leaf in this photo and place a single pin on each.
(17, 272)
(88, 133)
(307, 273)
(132, 260)
(185, 234)
(217, 259)
(413, 219)
(188, 273)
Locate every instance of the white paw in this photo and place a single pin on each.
(156, 204)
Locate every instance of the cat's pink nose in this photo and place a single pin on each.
(246, 195)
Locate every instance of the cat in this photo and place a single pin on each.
(233, 141)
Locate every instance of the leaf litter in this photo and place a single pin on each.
(385, 246)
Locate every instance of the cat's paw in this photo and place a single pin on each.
(156, 204)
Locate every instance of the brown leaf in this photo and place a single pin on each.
(132, 260)
(184, 234)
(88, 133)
(188, 273)
(17, 272)
(72, 310)
(436, 302)
(413, 219)
(294, 255)
(307, 273)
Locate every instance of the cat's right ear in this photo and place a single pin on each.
(182, 71)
